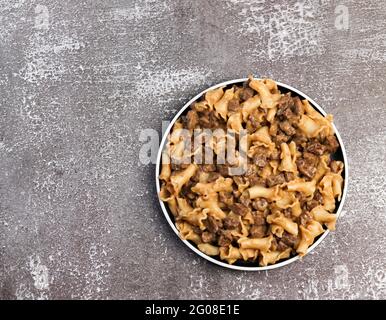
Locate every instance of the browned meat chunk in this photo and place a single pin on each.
(226, 198)
(260, 204)
(208, 167)
(288, 114)
(258, 231)
(298, 108)
(318, 196)
(317, 200)
(287, 128)
(300, 140)
(191, 119)
(205, 119)
(179, 166)
(207, 237)
(186, 191)
(260, 157)
(281, 246)
(231, 222)
(213, 176)
(280, 138)
(240, 209)
(260, 160)
(212, 224)
(301, 196)
(285, 110)
(334, 165)
(289, 176)
(196, 176)
(234, 105)
(208, 119)
(197, 230)
(251, 170)
(306, 168)
(256, 180)
(275, 179)
(254, 120)
(331, 144)
(311, 158)
(223, 170)
(244, 199)
(289, 239)
(312, 204)
(305, 218)
(225, 238)
(283, 104)
(246, 93)
(259, 218)
(315, 147)
(176, 167)
(287, 212)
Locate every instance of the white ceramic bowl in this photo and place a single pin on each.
(169, 217)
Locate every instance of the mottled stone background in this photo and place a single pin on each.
(79, 216)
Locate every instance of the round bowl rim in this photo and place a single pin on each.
(195, 249)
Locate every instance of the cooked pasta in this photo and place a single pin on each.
(286, 194)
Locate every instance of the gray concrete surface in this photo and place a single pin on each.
(79, 216)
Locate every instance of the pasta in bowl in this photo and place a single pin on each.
(251, 174)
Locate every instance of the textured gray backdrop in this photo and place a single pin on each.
(79, 216)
